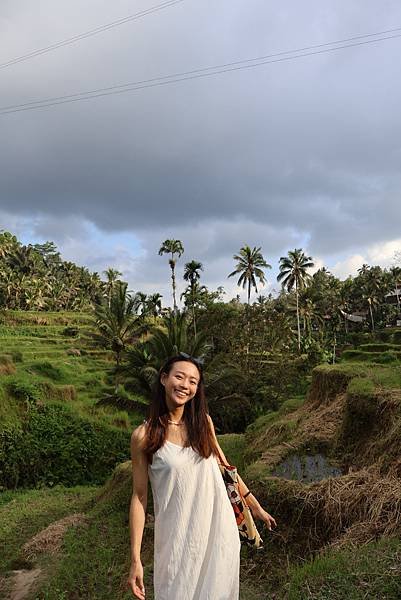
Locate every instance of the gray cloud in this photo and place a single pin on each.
(304, 152)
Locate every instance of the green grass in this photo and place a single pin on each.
(371, 572)
(361, 386)
(384, 376)
(233, 445)
(262, 423)
(380, 357)
(376, 347)
(94, 562)
(25, 513)
(10, 412)
(290, 405)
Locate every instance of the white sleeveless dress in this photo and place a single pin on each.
(196, 539)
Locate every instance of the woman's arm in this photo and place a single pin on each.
(137, 510)
(256, 509)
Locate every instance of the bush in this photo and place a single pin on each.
(387, 357)
(55, 446)
(23, 389)
(47, 369)
(232, 415)
(71, 331)
(397, 337)
(17, 355)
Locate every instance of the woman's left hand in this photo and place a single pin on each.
(259, 513)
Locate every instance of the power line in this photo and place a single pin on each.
(200, 73)
(205, 69)
(90, 33)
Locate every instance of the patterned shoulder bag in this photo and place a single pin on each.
(246, 525)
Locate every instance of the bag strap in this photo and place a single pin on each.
(220, 461)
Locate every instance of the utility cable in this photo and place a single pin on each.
(198, 73)
(90, 33)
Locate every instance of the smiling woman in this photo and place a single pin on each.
(197, 545)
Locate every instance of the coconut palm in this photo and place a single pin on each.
(154, 304)
(373, 287)
(112, 278)
(293, 273)
(167, 339)
(117, 323)
(396, 274)
(250, 266)
(142, 300)
(172, 247)
(192, 275)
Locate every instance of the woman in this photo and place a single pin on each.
(196, 539)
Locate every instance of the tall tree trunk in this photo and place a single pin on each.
(193, 310)
(173, 280)
(371, 316)
(298, 323)
(396, 293)
(248, 326)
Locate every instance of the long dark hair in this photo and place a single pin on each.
(200, 436)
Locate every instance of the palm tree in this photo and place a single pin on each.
(250, 265)
(112, 278)
(396, 273)
(167, 339)
(154, 304)
(142, 300)
(192, 275)
(117, 322)
(293, 273)
(172, 247)
(372, 287)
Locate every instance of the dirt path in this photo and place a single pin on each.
(22, 583)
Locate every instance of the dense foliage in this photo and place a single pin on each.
(255, 354)
(54, 445)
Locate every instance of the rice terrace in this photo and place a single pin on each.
(312, 420)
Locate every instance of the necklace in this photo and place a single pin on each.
(174, 423)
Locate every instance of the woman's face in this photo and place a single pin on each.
(180, 383)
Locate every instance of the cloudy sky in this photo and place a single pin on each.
(303, 152)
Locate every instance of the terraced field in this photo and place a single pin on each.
(328, 467)
(54, 351)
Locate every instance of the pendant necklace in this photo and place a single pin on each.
(174, 423)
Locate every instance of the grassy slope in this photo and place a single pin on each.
(95, 559)
(372, 571)
(353, 414)
(94, 562)
(38, 346)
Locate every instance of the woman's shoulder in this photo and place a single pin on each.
(139, 433)
(210, 421)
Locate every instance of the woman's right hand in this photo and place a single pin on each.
(135, 580)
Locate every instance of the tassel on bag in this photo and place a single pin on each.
(248, 532)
